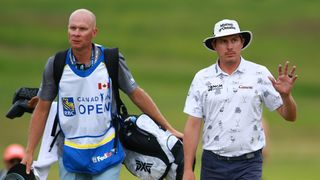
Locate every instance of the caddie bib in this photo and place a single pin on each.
(84, 109)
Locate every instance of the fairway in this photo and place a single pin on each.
(162, 43)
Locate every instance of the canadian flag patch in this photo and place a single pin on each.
(103, 85)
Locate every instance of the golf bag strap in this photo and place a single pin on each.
(166, 172)
(55, 125)
(176, 148)
(54, 130)
(111, 59)
(54, 140)
(112, 62)
(58, 63)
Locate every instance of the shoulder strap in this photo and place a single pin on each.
(58, 63)
(111, 58)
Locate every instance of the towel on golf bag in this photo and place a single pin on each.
(151, 152)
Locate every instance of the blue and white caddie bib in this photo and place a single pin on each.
(84, 108)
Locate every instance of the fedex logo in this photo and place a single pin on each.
(96, 159)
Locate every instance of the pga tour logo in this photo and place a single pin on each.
(96, 159)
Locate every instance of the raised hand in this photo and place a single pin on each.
(285, 80)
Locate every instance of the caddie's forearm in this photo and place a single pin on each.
(289, 108)
(37, 125)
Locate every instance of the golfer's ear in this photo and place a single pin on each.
(213, 44)
(242, 40)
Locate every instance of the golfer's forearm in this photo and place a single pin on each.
(190, 141)
(289, 109)
(189, 154)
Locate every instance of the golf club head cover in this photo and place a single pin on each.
(20, 102)
(24, 93)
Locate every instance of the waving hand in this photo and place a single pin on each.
(285, 80)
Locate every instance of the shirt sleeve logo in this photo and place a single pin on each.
(68, 106)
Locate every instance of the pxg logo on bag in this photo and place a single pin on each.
(143, 166)
(68, 106)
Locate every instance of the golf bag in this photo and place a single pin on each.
(151, 152)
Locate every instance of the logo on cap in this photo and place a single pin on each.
(226, 26)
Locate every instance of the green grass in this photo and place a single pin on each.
(162, 43)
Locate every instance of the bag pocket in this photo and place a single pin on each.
(91, 160)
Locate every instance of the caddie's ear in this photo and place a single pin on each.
(95, 31)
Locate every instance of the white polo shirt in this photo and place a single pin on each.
(231, 107)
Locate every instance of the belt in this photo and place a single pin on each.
(237, 158)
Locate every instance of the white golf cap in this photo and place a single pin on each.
(227, 27)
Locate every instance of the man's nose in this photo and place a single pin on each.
(76, 32)
(229, 45)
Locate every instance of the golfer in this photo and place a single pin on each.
(227, 97)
